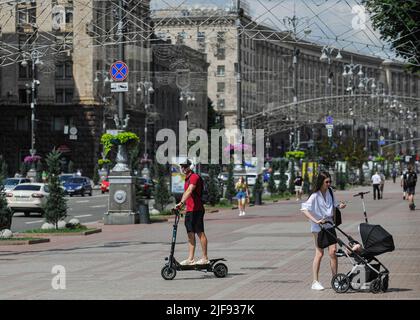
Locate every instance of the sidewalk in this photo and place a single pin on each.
(269, 253)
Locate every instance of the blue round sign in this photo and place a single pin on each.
(119, 71)
(329, 120)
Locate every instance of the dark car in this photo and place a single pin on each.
(78, 185)
(64, 177)
(147, 187)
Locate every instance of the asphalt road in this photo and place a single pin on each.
(86, 209)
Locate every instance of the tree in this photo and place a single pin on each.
(230, 187)
(5, 212)
(283, 178)
(306, 183)
(161, 193)
(213, 186)
(55, 208)
(39, 169)
(3, 168)
(95, 177)
(272, 184)
(292, 178)
(397, 22)
(258, 190)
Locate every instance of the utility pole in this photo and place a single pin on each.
(238, 66)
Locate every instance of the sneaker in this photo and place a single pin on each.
(187, 262)
(240, 213)
(317, 286)
(202, 261)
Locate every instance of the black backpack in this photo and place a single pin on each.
(411, 179)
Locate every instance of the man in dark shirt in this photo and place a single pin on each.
(298, 186)
(194, 217)
(411, 181)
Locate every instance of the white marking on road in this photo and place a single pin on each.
(31, 222)
(100, 206)
(84, 215)
(82, 201)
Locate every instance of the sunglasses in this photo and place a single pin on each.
(328, 181)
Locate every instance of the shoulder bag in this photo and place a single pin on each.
(337, 212)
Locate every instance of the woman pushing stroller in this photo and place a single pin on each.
(319, 209)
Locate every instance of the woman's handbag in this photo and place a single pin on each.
(326, 237)
(337, 212)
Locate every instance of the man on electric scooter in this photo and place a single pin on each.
(194, 217)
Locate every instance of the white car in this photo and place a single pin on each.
(11, 183)
(28, 197)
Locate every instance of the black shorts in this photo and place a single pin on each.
(194, 221)
(411, 190)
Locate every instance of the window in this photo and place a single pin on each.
(25, 72)
(221, 52)
(64, 95)
(26, 14)
(22, 123)
(221, 87)
(220, 71)
(221, 37)
(58, 123)
(64, 70)
(181, 37)
(201, 36)
(69, 15)
(220, 103)
(24, 96)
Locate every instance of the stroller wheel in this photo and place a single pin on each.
(385, 283)
(168, 273)
(340, 283)
(375, 285)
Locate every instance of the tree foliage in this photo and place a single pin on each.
(230, 186)
(398, 23)
(213, 186)
(161, 193)
(55, 208)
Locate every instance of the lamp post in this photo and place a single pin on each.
(35, 61)
(146, 88)
(186, 97)
(326, 55)
(348, 71)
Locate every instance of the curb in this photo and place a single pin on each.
(81, 233)
(23, 242)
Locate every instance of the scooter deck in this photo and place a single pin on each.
(207, 266)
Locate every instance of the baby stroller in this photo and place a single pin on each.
(367, 273)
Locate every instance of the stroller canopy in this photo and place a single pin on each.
(376, 240)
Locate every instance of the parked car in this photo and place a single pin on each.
(78, 185)
(147, 187)
(105, 185)
(11, 183)
(28, 197)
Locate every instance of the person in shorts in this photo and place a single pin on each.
(194, 217)
(298, 186)
(411, 181)
(242, 195)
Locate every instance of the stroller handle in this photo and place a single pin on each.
(360, 194)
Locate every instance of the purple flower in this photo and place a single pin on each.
(32, 159)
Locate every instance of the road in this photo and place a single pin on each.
(86, 209)
(269, 254)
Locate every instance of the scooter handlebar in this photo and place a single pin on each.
(361, 194)
(176, 212)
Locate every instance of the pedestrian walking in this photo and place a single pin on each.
(376, 183)
(194, 217)
(411, 181)
(394, 174)
(319, 209)
(404, 185)
(44, 176)
(242, 195)
(381, 187)
(298, 186)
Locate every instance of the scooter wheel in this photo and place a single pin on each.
(168, 273)
(340, 283)
(220, 270)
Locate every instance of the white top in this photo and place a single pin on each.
(320, 208)
(376, 179)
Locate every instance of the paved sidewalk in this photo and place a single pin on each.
(269, 253)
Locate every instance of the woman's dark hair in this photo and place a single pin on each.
(320, 180)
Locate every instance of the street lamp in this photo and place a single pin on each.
(146, 89)
(35, 61)
(187, 97)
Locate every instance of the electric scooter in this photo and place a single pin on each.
(361, 195)
(170, 268)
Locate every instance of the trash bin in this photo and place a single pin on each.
(144, 213)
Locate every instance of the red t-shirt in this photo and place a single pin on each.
(194, 203)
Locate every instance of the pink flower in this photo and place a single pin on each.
(32, 159)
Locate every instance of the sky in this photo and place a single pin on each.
(340, 23)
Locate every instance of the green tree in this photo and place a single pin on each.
(306, 183)
(5, 212)
(161, 192)
(230, 186)
(39, 169)
(283, 178)
(292, 178)
(258, 190)
(55, 208)
(213, 186)
(95, 177)
(397, 22)
(272, 184)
